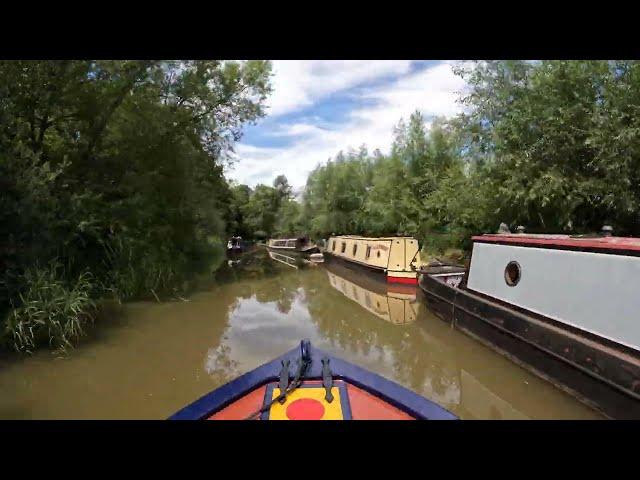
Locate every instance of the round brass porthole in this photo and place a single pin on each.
(512, 273)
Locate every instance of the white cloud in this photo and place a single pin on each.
(297, 84)
(297, 129)
(433, 91)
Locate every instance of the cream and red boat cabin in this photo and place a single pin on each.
(397, 257)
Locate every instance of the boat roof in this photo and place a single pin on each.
(574, 242)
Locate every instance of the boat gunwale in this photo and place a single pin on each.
(586, 337)
(462, 299)
(391, 392)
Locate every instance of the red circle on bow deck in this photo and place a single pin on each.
(305, 409)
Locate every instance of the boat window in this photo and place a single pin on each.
(355, 249)
(333, 248)
(378, 253)
(512, 274)
(344, 247)
(368, 253)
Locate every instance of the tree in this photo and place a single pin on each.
(281, 184)
(541, 128)
(113, 170)
(261, 211)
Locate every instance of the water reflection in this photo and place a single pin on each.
(396, 304)
(157, 357)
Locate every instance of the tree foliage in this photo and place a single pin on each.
(112, 181)
(552, 145)
(115, 167)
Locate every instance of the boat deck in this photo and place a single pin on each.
(308, 403)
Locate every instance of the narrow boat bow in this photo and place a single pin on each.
(318, 386)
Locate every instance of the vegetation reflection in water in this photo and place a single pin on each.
(153, 358)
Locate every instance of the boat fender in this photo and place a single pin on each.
(327, 380)
(304, 362)
(284, 379)
(305, 350)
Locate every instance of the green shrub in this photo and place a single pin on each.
(50, 309)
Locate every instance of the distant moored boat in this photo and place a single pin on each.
(397, 257)
(299, 244)
(235, 244)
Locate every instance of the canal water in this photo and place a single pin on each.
(150, 359)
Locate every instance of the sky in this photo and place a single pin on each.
(318, 108)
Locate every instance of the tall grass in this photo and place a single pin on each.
(50, 310)
(157, 272)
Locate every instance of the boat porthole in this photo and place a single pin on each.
(355, 249)
(333, 248)
(368, 254)
(344, 247)
(512, 274)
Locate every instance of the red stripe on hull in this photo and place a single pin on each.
(408, 281)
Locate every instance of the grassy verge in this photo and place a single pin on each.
(51, 310)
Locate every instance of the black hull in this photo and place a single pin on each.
(604, 376)
(374, 273)
(373, 283)
(295, 251)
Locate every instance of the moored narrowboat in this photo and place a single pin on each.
(235, 245)
(309, 384)
(564, 307)
(296, 245)
(397, 258)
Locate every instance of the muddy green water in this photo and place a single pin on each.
(150, 359)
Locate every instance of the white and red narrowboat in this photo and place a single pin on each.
(309, 384)
(397, 258)
(565, 307)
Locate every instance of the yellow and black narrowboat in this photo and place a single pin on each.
(398, 258)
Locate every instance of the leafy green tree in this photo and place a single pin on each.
(281, 184)
(261, 211)
(541, 130)
(116, 168)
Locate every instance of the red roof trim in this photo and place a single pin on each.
(603, 243)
